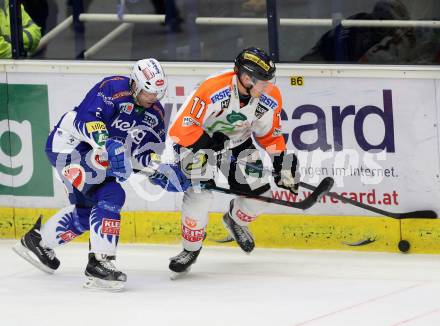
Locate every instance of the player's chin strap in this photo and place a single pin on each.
(430, 214)
(247, 88)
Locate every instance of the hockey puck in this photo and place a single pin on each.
(404, 245)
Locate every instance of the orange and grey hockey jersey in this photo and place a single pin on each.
(215, 106)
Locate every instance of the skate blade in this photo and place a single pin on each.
(30, 257)
(178, 275)
(226, 239)
(98, 284)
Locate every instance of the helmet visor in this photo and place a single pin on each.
(262, 85)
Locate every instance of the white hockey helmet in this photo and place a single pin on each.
(148, 75)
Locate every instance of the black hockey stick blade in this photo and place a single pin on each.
(418, 214)
(224, 240)
(415, 214)
(323, 188)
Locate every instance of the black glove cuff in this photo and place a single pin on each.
(277, 162)
(289, 160)
(215, 143)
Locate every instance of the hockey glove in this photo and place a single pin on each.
(168, 176)
(119, 166)
(216, 143)
(286, 175)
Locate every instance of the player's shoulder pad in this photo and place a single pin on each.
(268, 101)
(114, 81)
(216, 87)
(116, 87)
(271, 99)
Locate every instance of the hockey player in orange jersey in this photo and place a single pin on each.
(223, 113)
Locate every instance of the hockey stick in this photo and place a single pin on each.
(322, 189)
(429, 214)
(400, 216)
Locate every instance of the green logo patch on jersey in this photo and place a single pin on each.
(235, 116)
(227, 127)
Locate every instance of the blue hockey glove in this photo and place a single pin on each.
(170, 177)
(119, 166)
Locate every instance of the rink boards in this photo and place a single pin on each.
(373, 129)
(360, 233)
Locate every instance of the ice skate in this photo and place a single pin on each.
(29, 248)
(102, 274)
(241, 234)
(180, 265)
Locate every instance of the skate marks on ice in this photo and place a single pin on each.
(226, 287)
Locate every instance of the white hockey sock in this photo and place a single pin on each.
(245, 210)
(195, 209)
(60, 228)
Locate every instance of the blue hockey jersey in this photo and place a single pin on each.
(109, 110)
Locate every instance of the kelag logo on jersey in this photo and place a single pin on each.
(339, 119)
(136, 134)
(24, 127)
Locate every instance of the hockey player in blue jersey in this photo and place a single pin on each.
(94, 147)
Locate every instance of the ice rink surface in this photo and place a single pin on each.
(227, 287)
